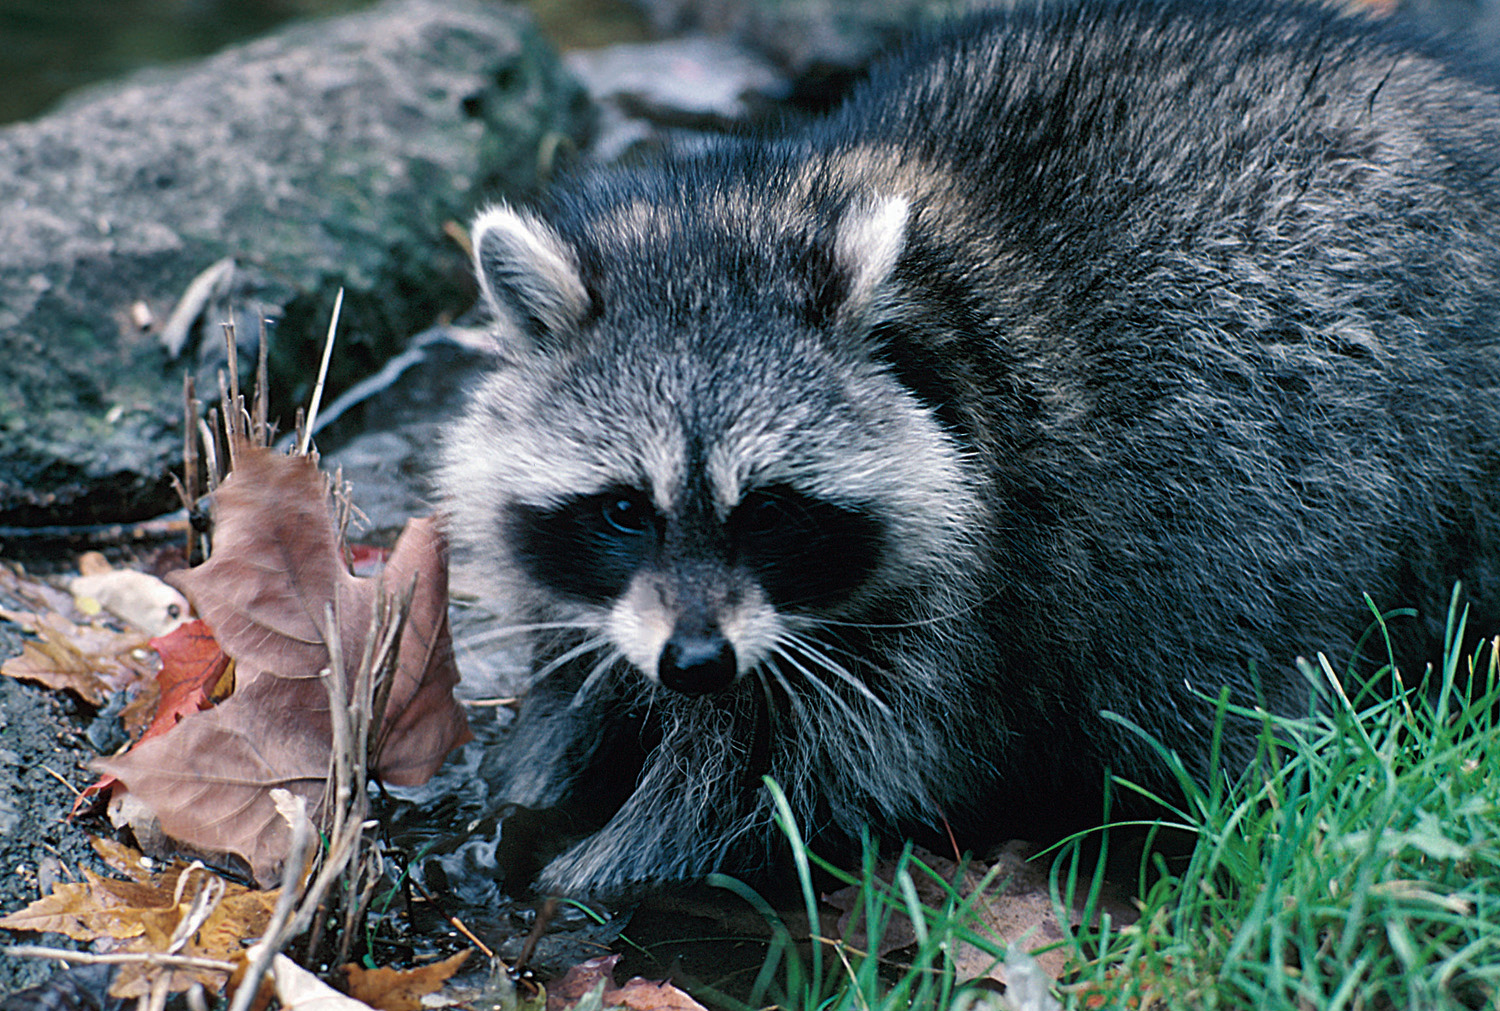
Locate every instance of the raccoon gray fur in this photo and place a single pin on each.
(1096, 357)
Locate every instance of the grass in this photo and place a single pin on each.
(1357, 866)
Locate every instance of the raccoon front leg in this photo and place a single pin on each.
(696, 808)
(562, 749)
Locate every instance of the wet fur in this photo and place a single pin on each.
(1149, 337)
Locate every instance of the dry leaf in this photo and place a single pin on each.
(37, 596)
(1016, 909)
(644, 995)
(142, 600)
(145, 912)
(400, 989)
(300, 990)
(638, 994)
(277, 565)
(91, 661)
(194, 673)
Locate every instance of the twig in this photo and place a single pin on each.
(234, 403)
(317, 395)
(543, 919)
(276, 934)
(262, 389)
(388, 659)
(119, 958)
(231, 420)
(189, 442)
(62, 779)
(209, 442)
(453, 921)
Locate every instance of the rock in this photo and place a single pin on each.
(824, 44)
(390, 425)
(331, 153)
(652, 92)
(1471, 23)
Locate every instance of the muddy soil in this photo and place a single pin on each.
(43, 758)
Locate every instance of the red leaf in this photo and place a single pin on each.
(192, 665)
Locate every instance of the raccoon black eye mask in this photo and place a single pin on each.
(1096, 357)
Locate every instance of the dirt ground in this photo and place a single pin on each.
(43, 751)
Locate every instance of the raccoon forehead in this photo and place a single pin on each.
(544, 444)
(533, 437)
(861, 438)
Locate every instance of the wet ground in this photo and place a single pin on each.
(43, 755)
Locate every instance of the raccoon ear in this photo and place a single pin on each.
(866, 246)
(529, 276)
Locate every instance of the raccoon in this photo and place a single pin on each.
(1093, 358)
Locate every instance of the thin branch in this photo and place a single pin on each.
(276, 934)
(118, 958)
(317, 395)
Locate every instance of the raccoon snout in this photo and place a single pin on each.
(696, 664)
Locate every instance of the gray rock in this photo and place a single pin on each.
(332, 153)
(651, 92)
(390, 424)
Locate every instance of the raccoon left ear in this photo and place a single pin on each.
(866, 246)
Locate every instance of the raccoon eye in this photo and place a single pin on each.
(805, 551)
(761, 513)
(626, 513)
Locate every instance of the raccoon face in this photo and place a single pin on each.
(695, 598)
(693, 472)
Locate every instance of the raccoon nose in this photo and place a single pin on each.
(696, 664)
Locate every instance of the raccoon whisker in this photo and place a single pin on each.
(610, 660)
(794, 697)
(489, 635)
(859, 722)
(820, 656)
(583, 648)
(855, 719)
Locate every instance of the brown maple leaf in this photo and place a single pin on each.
(145, 911)
(386, 989)
(277, 567)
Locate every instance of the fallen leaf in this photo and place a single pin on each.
(138, 598)
(35, 595)
(93, 563)
(579, 981)
(277, 565)
(300, 990)
(1016, 908)
(145, 912)
(637, 994)
(644, 995)
(400, 989)
(125, 859)
(194, 674)
(91, 661)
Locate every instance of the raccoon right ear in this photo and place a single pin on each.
(867, 244)
(529, 275)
